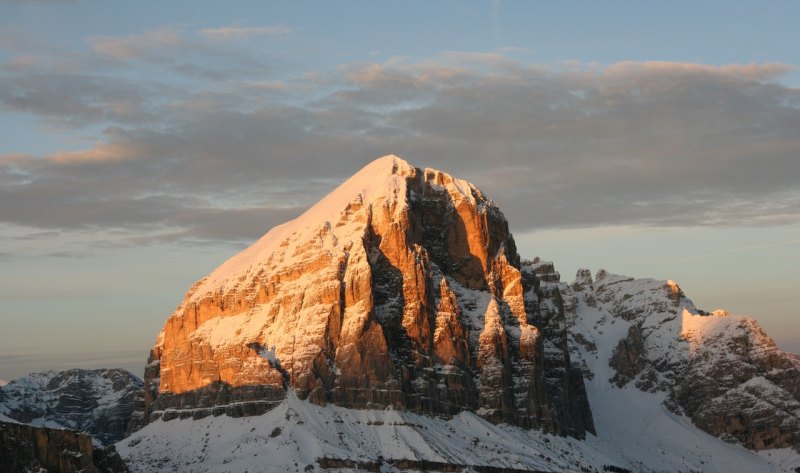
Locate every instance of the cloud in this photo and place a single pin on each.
(99, 153)
(154, 42)
(75, 100)
(201, 55)
(571, 145)
(747, 72)
(230, 33)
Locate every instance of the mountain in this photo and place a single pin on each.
(394, 327)
(401, 288)
(720, 370)
(99, 402)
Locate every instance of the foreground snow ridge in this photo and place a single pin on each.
(300, 436)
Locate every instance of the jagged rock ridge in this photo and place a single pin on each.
(99, 402)
(720, 370)
(401, 288)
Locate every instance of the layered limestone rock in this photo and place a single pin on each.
(720, 370)
(737, 384)
(26, 448)
(569, 405)
(99, 401)
(401, 288)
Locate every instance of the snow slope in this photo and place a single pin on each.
(635, 433)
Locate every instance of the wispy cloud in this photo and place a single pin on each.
(102, 152)
(139, 46)
(229, 33)
(746, 72)
(208, 54)
(76, 99)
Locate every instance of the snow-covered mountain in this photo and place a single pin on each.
(393, 327)
(401, 288)
(720, 370)
(99, 401)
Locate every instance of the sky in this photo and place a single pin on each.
(144, 143)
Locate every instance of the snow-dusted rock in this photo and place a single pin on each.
(720, 370)
(401, 288)
(737, 384)
(99, 402)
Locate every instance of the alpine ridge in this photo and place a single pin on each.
(401, 288)
(99, 402)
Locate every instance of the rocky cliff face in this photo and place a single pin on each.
(721, 370)
(99, 402)
(737, 384)
(27, 448)
(401, 288)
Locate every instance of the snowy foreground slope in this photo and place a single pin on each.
(636, 433)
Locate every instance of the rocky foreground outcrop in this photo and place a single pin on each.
(99, 402)
(401, 288)
(40, 449)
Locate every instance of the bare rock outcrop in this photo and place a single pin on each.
(28, 448)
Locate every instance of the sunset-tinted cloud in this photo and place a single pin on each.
(633, 143)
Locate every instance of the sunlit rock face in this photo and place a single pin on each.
(401, 288)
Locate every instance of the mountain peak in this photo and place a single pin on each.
(380, 179)
(389, 164)
(384, 181)
(348, 299)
